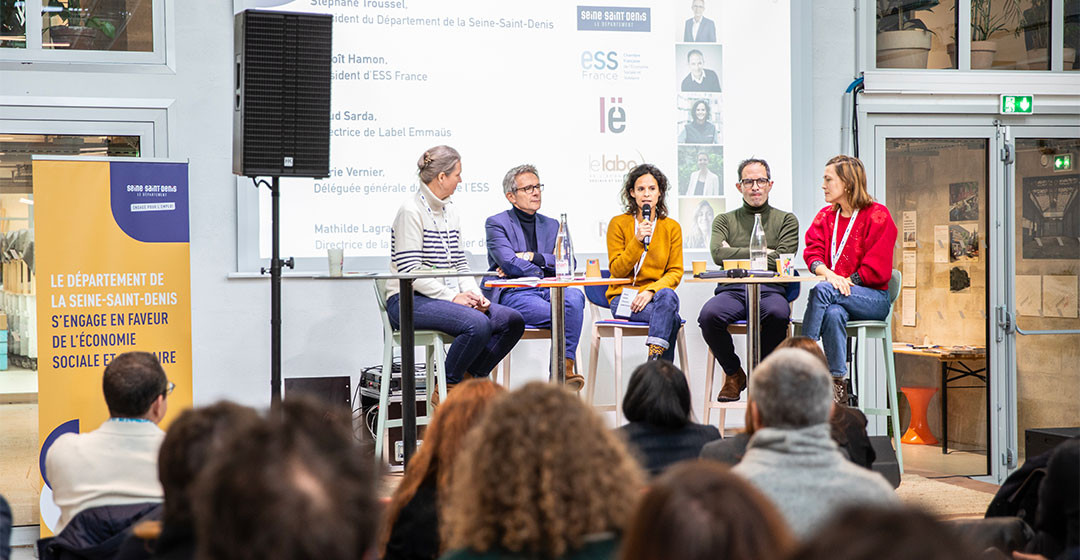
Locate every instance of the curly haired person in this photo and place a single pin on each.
(540, 476)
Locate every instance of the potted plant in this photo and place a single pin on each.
(1036, 27)
(984, 24)
(903, 41)
(81, 30)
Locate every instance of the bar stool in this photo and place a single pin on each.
(531, 333)
(881, 330)
(791, 293)
(434, 343)
(616, 329)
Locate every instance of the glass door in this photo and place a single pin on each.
(1042, 327)
(937, 185)
(20, 140)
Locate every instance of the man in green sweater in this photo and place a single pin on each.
(731, 240)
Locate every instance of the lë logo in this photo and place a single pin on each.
(612, 115)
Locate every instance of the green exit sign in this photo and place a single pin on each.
(1017, 104)
(1063, 162)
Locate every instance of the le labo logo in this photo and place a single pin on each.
(599, 65)
(612, 115)
(613, 163)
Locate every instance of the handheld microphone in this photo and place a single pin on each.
(646, 213)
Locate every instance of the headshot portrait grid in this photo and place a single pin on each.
(700, 119)
(700, 169)
(699, 67)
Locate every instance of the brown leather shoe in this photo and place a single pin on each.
(733, 385)
(574, 381)
(435, 399)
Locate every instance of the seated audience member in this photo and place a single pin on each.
(116, 464)
(791, 457)
(864, 533)
(5, 529)
(657, 405)
(847, 425)
(411, 526)
(195, 437)
(297, 485)
(698, 510)
(540, 477)
(1057, 516)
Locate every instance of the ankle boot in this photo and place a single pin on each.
(574, 381)
(734, 383)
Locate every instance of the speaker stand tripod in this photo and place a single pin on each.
(276, 264)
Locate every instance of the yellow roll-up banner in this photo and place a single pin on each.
(113, 275)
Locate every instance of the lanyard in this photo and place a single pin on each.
(837, 251)
(445, 239)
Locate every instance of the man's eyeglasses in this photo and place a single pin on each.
(169, 389)
(761, 182)
(530, 189)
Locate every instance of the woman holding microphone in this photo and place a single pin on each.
(644, 244)
(426, 234)
(850, 243)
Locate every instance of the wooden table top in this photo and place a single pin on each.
(758, 280)
(942, 353)
(554, 282)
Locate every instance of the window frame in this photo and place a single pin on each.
(162, 55)
(899, 79)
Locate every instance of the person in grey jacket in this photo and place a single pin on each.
(791, 457)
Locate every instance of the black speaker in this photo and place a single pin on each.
(281, 109)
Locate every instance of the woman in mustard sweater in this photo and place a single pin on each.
(650, 253)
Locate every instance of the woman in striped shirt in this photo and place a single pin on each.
(427, 234)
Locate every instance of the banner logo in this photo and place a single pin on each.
(612, 18)
(612, 115)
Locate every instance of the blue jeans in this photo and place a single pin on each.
(828, 312)
(662, 315)
(482, 339)
(534, 304)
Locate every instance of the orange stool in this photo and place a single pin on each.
(918, 431)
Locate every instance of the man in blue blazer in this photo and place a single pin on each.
(699, 29)
(521, 243)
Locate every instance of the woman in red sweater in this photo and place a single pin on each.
(850, 243)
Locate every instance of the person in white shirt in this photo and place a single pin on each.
(427, 234)
(115, 464)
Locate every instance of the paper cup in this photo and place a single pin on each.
(336, 258)
(744, 264)
(699, 267)
(785, 264)
(592, 268)
(731, 264)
